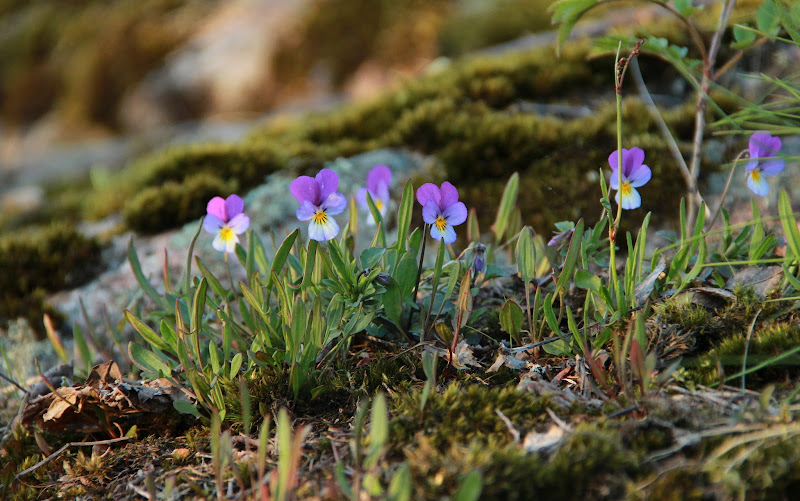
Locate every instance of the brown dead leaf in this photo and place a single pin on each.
(102, 403)
(763, 279)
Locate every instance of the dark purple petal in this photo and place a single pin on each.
(328, 183)
(430, 211)
(378, 176)
(631, 160)
(334, 204)
(233, 206)
(216, 207)
(449, 195)
(306, 188)
(763, 145)
(427, 192)
(455, 213)
(212, 223)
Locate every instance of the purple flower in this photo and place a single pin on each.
(226, 221)
(442, 210)
(763, 146)
(634, 175)
(319, 200)
(378, 181)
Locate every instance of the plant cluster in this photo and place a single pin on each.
(576, 313)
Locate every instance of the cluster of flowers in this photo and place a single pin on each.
(441, 209)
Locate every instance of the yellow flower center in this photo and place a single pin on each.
(378, 204)
(320, 217)
(226, 233)
(756, 174)
(626, 189)
(441, 223)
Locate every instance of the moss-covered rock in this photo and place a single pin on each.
(40, 261)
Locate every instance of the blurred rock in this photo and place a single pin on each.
(21, 199)
(223, 69)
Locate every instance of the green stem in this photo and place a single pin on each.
(419, 276)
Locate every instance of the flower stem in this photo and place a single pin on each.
(419, 275)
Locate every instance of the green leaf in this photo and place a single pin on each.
(767, 19)
(371, 256)
(507, 202)
(790, 19)
(280, 257)
(404, 214)
(511, 317)
(217, 287)
(147, 333)
(148, 289)
(311, 257)
(685, 7)
(789, 224)
(378, 430)
(400, 486)
(236, 364)
(588, 281)
(406, 274)
(393, 302)
(471, 487)
(572, 257)
(198, 305)
(147, 361)
(743, 36)
(526, 255)
(83, 347)
(380, 234)
(186, 407)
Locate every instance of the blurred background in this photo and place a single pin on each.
(77, 74)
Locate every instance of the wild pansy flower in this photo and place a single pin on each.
(763, 147)
(378, 181)
(634, 175)
(442, 210)
(226, 220)
(319, 201)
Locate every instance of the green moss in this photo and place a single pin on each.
(159, 208)
(492, 23)
(766, 343)
(462, 414)
(590, 464)
(43, 260)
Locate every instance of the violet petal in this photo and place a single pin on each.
(305, 188)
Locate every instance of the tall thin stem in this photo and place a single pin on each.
(419, 276)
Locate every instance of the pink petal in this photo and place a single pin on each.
(216, 207)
